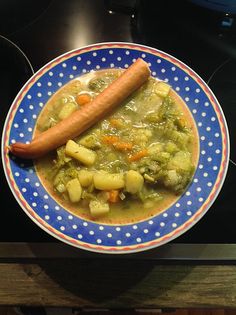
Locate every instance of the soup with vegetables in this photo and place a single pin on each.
(131, 165)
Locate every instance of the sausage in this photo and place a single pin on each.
(79, 121)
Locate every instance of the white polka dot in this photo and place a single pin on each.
(200, 166)
(154, 73)
(206, 104)
(188, 193)
(174, 225)
(138, 239)
(118, 242)
(209, 159)
(39, 94)
(17, 174)
(143, 55)
(150, 222)
(71, 76)
(46, 207)
(198, 189)
(194, 111)
(13, 141)
(84, 70)
(99, 241)
(118, 229)
(213, 118)
(203, 152)
(59, 84)
(162, 224)
(177, 214)
(199, 124)
(80, 236)
(88, 63)
(177, 205)
(196, 101)
(176, 78)
(209, 184)
(34, 116)
(210, 144)
(70, 217)
(197, 90)
(217, 151)
(187, 88)
(34, 204)
(39, 84)
(27, 180)
(186, 99)
(110, 52)
(21, 110)
(24, 189)
(21, 135)
(25, 120)
(29, 96)
(173, 68)
(177, 88)
(200, 199)
(195, 180)
(217, 134)
(189, 203)
(74, 226)
(208, 128)
(109, 235)
(158, 60)
(103, 59)
(41, 104)
(165, 215)
(157, 234)
(49, 93)
(37, 184)
(47, 217)
(186, 78)
(215, 168)
(61, 75)
(16, 125)
(127, 234)
(189, 213)
(62, 228)
(166, 80)
(57, 208)
(64, 65)
(112, 65)
(85, 224)
(50, 73)
(203, 138)
(134, 59)
(134, 227)
(101, 228)
(91, 232)
(119, 58)
(149, 63)
(97, 67)
(94, 54)
(145, 231)
(79, 58)
(126, 65)
(203, 114)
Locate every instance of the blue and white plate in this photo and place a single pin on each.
(104, 238)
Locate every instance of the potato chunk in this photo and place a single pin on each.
(67, 110)
(80, 153)
(162, 89)
(98, 208)
(133, 182)
(85, 177)
(74, 190)
(106, 181)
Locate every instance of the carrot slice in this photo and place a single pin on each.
(83, 99)
(114, 196)
(123, 146)
(138, 155)
(110, 139)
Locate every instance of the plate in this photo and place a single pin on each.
(104, 238)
